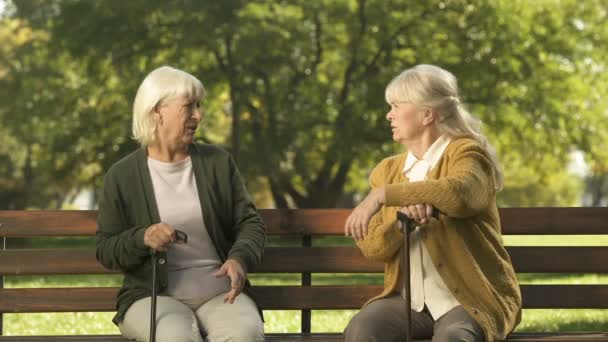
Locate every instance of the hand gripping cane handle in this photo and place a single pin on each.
(409, 223)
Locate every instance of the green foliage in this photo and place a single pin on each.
(296, 88)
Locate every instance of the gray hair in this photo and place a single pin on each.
(161, 84)
(433, 87)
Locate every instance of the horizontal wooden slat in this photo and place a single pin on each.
(67, 338)
(314, 297)
(350, 260)
(558, 337)
(289, 337)
(554, 221)
(305, 221)
(288, 297)
(328, 337)
(514, 221)
(50, 262)
(35, 223)
(103, 299)
(58, 299)
(526, 221)
(559, 259)
(317, 260)
(308, 260)
(565, 296)
(317, 337)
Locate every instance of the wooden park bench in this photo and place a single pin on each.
(305, 257)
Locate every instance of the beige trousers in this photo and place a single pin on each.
(176, 322)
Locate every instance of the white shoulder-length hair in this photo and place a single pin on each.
(433, 87)
(161, 84)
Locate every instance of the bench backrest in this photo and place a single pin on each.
(306, 226)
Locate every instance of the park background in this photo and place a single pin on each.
(296, 94)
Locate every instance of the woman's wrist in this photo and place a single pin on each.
(375, 199)
(380, 196)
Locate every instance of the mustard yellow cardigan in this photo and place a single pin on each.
(465, 243)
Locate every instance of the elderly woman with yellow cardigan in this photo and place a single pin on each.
(463, 285)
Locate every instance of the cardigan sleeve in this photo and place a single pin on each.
(384, 238)
(119, 246)
(247, 224)
(465, 191)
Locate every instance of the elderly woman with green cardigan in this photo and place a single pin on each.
(169, 184)
(463, 284)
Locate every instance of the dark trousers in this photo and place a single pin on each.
(383, 320)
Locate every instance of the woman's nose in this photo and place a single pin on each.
(198, 114)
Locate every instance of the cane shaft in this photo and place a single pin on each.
(153, 299)
(407, 226)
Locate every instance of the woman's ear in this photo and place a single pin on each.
(429, 116)
(158, 118)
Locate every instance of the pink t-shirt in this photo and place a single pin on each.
(191, 265)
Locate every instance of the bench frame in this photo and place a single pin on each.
(303, 226)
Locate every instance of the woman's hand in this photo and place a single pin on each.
(421, 213)
(233, 270)
(356, 223)
(158, 236)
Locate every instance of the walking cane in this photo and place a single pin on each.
(408, 225)
(179, 236)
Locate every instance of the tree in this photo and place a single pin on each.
(296, 88)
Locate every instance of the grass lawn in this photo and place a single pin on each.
(322, 320)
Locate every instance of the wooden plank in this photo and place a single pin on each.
(58, 299)
(541, 221)
(317, 337)
(327, 337)
(350, 260)
(314, 297)
(56, 261)
(317, 260)
(514, 221)
(555, 221)
(309, 260)
(558, 337)
(290, 337)
(35, 223)
(559, 259)
(103, 299)
(288, 298)
(305, 221)
(66, 338)
(565, 296)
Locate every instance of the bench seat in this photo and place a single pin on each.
(520, 337)
(304, 258)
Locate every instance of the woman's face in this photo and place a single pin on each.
(177, 121)
(406, 121)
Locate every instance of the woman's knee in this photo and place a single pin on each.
(237, 322)
(174, 321)
(249, 330)
(360, 329)
(458, 333)
(172, 335)
(178, 328)
(458, 326)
